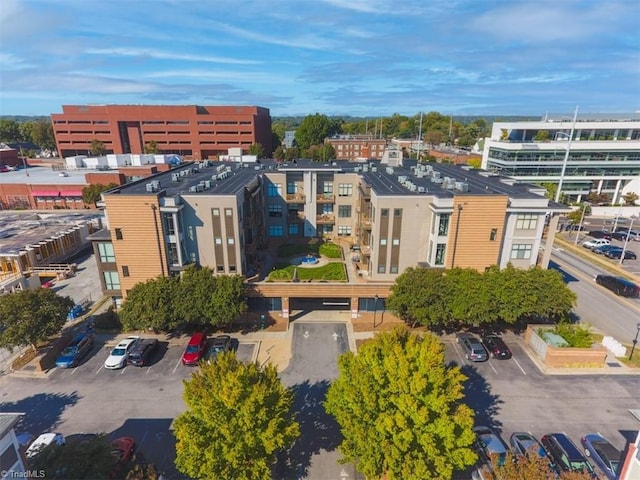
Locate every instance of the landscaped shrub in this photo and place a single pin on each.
(330, 250)
(577, 336)
(330, 272)
(107, 321)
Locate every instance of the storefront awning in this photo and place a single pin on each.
(45, 193)
(71, 193)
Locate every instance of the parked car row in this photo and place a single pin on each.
(618, 285)
(197, 350)
(557, 448)
(478, 350)
(620, 233)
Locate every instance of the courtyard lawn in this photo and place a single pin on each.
(334, 272)
(329, 250)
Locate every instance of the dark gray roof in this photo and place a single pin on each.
(8, 421)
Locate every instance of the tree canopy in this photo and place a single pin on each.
(77, 460)
(30, 316)
(238, 417)
(455, 297)
(315, 128)
(97, 147)
(198, 297)
(92, 193)
(257, 149)
(528, 467)
(400, 409)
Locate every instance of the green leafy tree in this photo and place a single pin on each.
(194, 301)
(579, 214)
(152, 304)
(257, 149)
(475, 162)
(9, 131)
(320, 153)
(77, 460)
(400, 409)
(527, 467)
(31, 316)
(229, 299)
(469, 299)
(279, 153)
(91, 193)
(97, 147)
(551, 189)
(152, 147)
(314, 129)
(42, 134)
(143, 471)
(238, 417)
(434, 138)
(292, 153)
(26, 131)
(542, 136)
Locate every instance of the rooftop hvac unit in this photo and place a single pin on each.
(419, 173)
(365, 168)
(448, 183)
(193, 189)
(206, 163)
(175, 177)
(149, 187)
(357, 169)
(421, 190)
(436, 180)
(199, 188)
(183, 173)
(402, 178)
(199, 165)
(462, 186)
(214, 177)
(389, 170)
(374, 169)
(219, 168)
(207, 184)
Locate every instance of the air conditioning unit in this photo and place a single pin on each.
(175, 177)
(207, 184)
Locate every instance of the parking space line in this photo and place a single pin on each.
(455, 348)
(518, 364)
(123, 369)
(74, 370)
(100, 368)
(177, 365)
(148, 370)
(492, 367)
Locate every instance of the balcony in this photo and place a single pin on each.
(295, 216)
(365, 223)
(325, 198)
(295, 198)
(325, 218)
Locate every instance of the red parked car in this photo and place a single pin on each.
(195, 349)
(122, 450)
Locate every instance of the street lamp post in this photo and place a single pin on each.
(375, 310)
(626, 240)
(585, 205)
(635, 341)
(566, 156)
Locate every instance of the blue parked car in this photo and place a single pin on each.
(604, 455)
(75, 312)
(75, 351)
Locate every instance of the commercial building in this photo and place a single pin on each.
(226, 215)
(357, 147)
(13, 464)
(192, 131)
(603, 153)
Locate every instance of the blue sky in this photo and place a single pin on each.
(337, 57)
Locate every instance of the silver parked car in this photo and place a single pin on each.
(472, 346)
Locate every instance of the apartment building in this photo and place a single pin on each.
(192, 131)
(225, 215)
(357, 147)
(603, 153)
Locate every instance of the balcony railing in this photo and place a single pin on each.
(295, 216)
(295, 198)
(325, 218)
(325, 198)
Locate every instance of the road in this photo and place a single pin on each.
(597, 306)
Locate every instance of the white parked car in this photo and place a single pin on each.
(596, 242)
(43, 441)
(119, 355)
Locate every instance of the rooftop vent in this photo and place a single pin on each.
(462, 186)
(449, 183)
(153, 186)
(389, 170)
(175, 177)
(421, 190)
(207, 184)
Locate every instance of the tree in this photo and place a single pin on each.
(292, 153)
(229, 299)
(542, 136)
(320, 153)
(527, 467)
(257, 149)
(151, 304)
(279, 153)
(400, 409)
(434, 138)
(152, 147)
(584, 210)
(97, 147)
(238, 417)
(78, 459)
(314, 129)
(91, 193)
(194, 300)
(31, 316)
(630, 198)
(42, 134)
(9, 131)
(143, 471)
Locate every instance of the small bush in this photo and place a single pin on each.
(577, 336)
(107, 321)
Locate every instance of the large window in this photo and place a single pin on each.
(527, 221)
(293, 229)
(172, 253)
(344, 211)
(327, 189)
(327, 208)
(345, 189)
(167, 220)
(275, 210)
(105, 250)
(441, 249)
(274, 190)
(521, 251)
(111, 280)
(443, 224)
(276, 231)
(292, 188)
(344, 230)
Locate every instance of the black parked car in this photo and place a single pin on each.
(566, 456)
(220, 344)
(601, 250)
(600, 234)
(140, 354)
(618, 285)
(617, 253)
(496, 347)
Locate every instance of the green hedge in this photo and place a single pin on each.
(577, 336)
(334, 272)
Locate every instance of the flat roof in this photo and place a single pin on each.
(43, 175)
(19, 230)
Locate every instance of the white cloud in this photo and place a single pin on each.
(165, 55)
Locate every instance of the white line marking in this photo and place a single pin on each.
(144, 437)
(459, 356)
(123, 369)
(148, 370)
(74, 370)
(177, 365)
(518, 364)
(98, 371)
(492, 367)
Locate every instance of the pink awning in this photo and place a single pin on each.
(45, 193)
(71, 193)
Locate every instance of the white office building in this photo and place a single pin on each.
(604, 153)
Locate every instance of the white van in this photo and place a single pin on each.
(43, 441)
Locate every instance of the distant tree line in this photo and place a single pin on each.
(39, 132)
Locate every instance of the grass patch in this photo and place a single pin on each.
(329, 250)
(635, 361)
(330, 272)
(577, 336)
